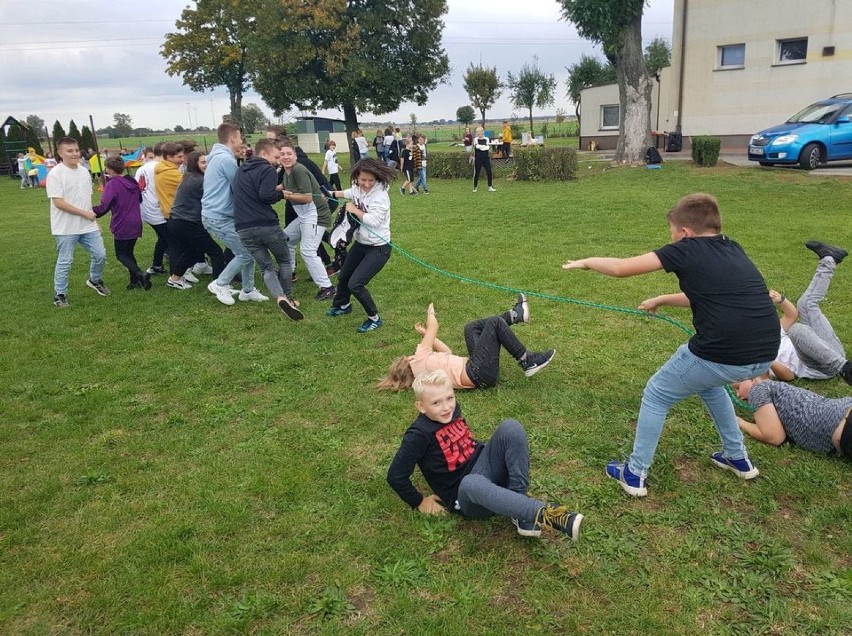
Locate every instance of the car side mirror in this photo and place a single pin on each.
(842, 120)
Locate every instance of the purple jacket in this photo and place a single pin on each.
(122, 197)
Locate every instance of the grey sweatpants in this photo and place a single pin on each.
(813, 336)
(498, 483)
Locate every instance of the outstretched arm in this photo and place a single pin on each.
(430, 333)
(767, 426)
(619, 267)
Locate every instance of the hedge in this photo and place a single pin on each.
(533, 163)
(705, 150)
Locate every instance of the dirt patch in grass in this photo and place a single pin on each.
(688, 470)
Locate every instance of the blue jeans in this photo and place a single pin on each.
(242, 263)
(498, 483)
(683, 375)
(421, 180)
(92, 242)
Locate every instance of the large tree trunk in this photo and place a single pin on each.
(482, 110)
(236, 106)
(532, 132)
(350, 115)
(634, 88)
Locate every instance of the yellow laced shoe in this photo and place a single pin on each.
(561, 519)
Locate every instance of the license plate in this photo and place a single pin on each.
(754, 150)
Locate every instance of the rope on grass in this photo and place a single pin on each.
(560, 299)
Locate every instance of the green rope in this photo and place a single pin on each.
(561, 299)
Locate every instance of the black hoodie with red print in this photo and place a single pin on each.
(445, 453)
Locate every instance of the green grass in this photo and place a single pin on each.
(171, 465)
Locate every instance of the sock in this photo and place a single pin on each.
(374, 318)
(523, 357)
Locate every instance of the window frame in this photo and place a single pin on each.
(604, 107)
(779, 48)
(720, 56)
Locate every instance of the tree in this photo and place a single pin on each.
(531, 88)
(483, 87)
(357, 56)
(178, 128)
(413, 119)
(58, 133)
(586, 73)
(36, 123)
(465, 114)
(87, 138)
(658, 54)
(560, 115)
(122, 125)
(617, 26)
(74, 133)
(253, 118)
(209, 47)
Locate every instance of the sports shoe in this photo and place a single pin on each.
(254, 295)
(144, 281)
(223, 294)
(155, 269)
(846, 372)
(490, 189)
(521, 311)
(289, 307)
(200, 269)
(180, 283)
(326, 293)
(294, 278)
(370, 325)
(742, 468)
(61, 300)
(561, 519)
(527, 528)
(189, 278)
(535, 362)
(98, 286)
(415, 192)
(823, 249)
(632, 484)
(474, 189)
(339, 311)
(402, 190)
(425, 191)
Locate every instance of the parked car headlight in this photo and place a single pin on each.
(785, 139)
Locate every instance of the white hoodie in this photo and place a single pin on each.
(375, 204)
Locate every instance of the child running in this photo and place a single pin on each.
(736, 333)
(122, 197)
(474, 479)
(484, 337)
(330, 165)
(369, 203)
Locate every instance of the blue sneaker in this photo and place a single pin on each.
(561, 519)
(527, 528)
(339, 311)
(370, 325)
(742, 468)
(632, 484)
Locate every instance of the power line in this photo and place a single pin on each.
(98, 40)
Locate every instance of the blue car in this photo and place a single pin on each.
(820, 133)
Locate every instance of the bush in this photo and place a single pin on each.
(705, 150)
(536, 163)
(449, 165)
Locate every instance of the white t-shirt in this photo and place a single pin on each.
(331, 161)
(363, 148)
(151, 212)
(789, 357)
(75, 187)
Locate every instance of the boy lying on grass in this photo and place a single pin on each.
(474, 479)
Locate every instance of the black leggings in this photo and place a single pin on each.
(361, 264)
(334, 181)
(190, 242)
(162, 230)
(124, 255)
(482, 160)
(483, 338)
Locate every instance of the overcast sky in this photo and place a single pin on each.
(68, 60)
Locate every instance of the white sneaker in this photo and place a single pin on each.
(490, 189)
(188, 277)
(180, 283)
(223, 294)
(253, 295)
(202, 269)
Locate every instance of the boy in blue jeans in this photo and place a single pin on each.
(475, 479)
(737, 333)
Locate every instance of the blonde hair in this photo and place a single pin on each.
(429, 379)
(479, 129)
(399, 376)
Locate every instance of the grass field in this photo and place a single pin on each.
(172, 465)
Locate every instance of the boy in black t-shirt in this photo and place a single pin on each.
(475, 479)
(737, 333)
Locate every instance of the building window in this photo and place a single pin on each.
(730, 56)
(609, 116)
(792, 51)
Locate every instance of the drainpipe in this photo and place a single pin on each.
(682, 66)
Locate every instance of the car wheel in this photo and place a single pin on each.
(766, 164)
(811, 156)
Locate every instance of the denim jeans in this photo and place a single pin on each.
(260, 242)
(92, 242)
(242, 263)
(683, 375)
(483, 338)
(421, 179)
(498, 482)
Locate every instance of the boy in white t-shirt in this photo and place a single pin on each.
(72, 221)
(330, 165)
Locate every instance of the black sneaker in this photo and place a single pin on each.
(846, 372)
(823, 249)
(156, 269)
(402, 190)
(535, 362)
(289, 307)
(98, 286)
(326, 293)
(521, 311)
(144, 281)
(561, 519)
(61, 300)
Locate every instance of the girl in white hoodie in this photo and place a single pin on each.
(369, 203)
